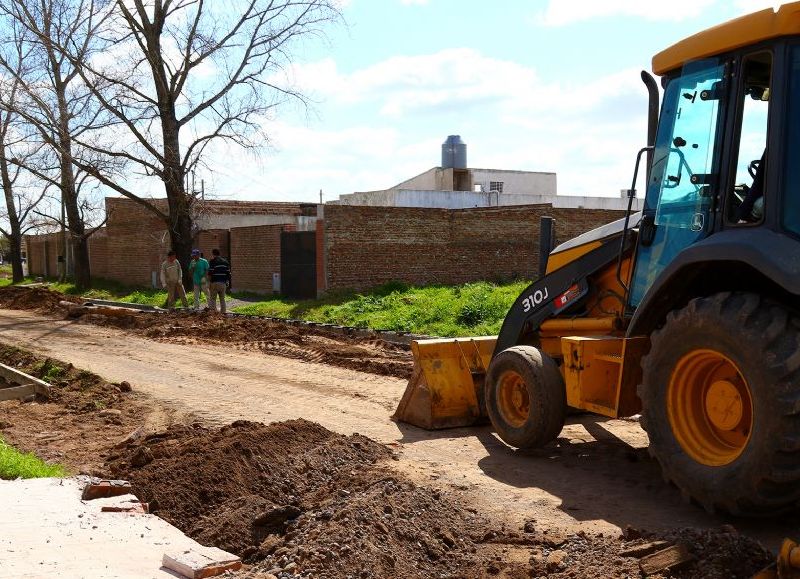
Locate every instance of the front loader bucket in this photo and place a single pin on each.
(446, 388)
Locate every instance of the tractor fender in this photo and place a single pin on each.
(743, 259)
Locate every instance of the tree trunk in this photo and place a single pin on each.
(69, 197)
(15, 253)
(180, 225)
(80, 252)
(180, 217)
(15, 237)
(181, 235)
(75, 226)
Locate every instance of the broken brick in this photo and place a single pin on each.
(100, 489)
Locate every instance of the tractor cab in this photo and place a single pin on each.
(709, 169)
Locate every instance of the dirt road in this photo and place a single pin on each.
(596, 478)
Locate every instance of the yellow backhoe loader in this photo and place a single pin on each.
(687, 312)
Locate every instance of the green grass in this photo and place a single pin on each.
(472, 309)
(109, 290)
(16, 464)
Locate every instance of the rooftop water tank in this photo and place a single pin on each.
(454, 153)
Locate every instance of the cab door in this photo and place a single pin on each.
(684, 175)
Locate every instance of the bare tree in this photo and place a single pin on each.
(20, 201)
(186, 73)
(53, 99)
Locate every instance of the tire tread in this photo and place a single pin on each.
(763, 324)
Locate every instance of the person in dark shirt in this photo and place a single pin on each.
(219, 276)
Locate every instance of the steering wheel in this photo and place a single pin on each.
(752, 168)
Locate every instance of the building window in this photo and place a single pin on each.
(496, 186)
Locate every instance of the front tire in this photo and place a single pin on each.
(721, 403)
(525, 397)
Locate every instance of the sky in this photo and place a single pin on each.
(533, 85)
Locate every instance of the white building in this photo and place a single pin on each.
(454, 186)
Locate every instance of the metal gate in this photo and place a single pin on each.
(299, 264)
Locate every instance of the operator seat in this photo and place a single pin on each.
(756, 192)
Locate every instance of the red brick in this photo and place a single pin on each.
(369, 246)
(100, 489)
(255, 256)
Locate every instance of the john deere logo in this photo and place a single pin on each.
(697, 222)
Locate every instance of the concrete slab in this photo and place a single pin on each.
(46, 530)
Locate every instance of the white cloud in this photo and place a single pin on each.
(306, 160)
(748, 6)
(404, 84)
(563, 12)
(588, 131)
(414, 2)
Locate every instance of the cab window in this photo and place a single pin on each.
(746, 203)
(791, 174)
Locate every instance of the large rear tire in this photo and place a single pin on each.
(525, 397)
(721, 403)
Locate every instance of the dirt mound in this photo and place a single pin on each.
(294, 495)
(279, 462)
(308, 343)
(39, 299)
(294, 498)
(77, 390)
(277, 338)
(270, 337)
(715, 554)
(719, 554)
(84, 416)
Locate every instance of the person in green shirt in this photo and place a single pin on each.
(199, 270)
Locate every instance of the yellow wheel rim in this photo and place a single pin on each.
(710, 407)
(513, 401)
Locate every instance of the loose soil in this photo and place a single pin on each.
(590, 479)
(296, 498)
(37, 298)
(307, 343)
(297, 493)
(84, 416)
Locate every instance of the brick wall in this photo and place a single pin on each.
(211, 239)
(320, 239)
(255, 256)
(42, 253)
(357, 247)
(137, 242)
(135, 231)
(99, 257)
(47, 248)
(368, 246)
(220, 207)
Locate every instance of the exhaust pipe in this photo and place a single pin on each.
(652, 115)
(547, 239)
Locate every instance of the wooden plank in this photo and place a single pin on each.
(17, 377)
(665, 559)
(17, 392)
(643, 549)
